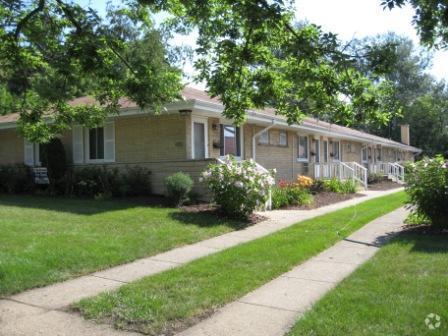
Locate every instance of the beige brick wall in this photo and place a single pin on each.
(11, 147)
(273, 155)
(351, 151)
(151, 138)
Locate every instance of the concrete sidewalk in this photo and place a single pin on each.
(42, 311)
(272, 309)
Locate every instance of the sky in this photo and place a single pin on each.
(348, 19)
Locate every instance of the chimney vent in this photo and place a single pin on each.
(405, 138)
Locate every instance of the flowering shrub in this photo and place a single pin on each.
(304, 181)
(427, 186)
(238, 187)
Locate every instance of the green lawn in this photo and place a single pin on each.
(390, 295)
(176, 298)
(44, 240)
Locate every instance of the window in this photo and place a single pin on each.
(264, 138)
(336, 151)
(317, 150)
(230, 140)
(96, 143)
(364, 154)
(325, 151)
(283, 138)
(302, 148)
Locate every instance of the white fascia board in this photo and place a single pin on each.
(265, 119)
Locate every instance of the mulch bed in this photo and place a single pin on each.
(214, 210)
(384, 185)
(325, 198)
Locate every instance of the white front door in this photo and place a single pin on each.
(199, 138)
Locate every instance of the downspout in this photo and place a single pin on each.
(256, 135)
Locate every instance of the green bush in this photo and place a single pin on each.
(375, 178)
(137, 181)
(285, 195)
(178, 186)
(103, 182)
(15, 179)
(280, 198)
(427, 186)
(238, 187)
(341, 186)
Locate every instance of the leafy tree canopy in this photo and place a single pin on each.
(249, 53)
(423, 101)
(430, 19)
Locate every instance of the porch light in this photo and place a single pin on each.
(214, 126)
(185, 112)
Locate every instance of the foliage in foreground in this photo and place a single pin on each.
(163, 303)
(238, 187)
(250, 53)
(427, 186)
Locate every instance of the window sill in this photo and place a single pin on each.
(303, 160)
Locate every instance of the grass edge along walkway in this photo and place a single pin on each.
(399, 287)
(175, 299)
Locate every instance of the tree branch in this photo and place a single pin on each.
(27, 17)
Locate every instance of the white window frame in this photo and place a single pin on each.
(241, 144)
(263, 139)
(204, 121)
(87, 145)
(339, 151)
(285, 132)
(308, 148)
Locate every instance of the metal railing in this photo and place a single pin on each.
(360, 172)
(393, 170)
(341, 171)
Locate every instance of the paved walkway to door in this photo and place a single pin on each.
(43, 311)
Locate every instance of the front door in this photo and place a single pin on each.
(199, 129)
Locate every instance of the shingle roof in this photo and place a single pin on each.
(192, 94)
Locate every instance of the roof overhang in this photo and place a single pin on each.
(212, 109)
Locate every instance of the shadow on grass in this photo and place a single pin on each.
(208, 219)
(422, 241)
(78, 206)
